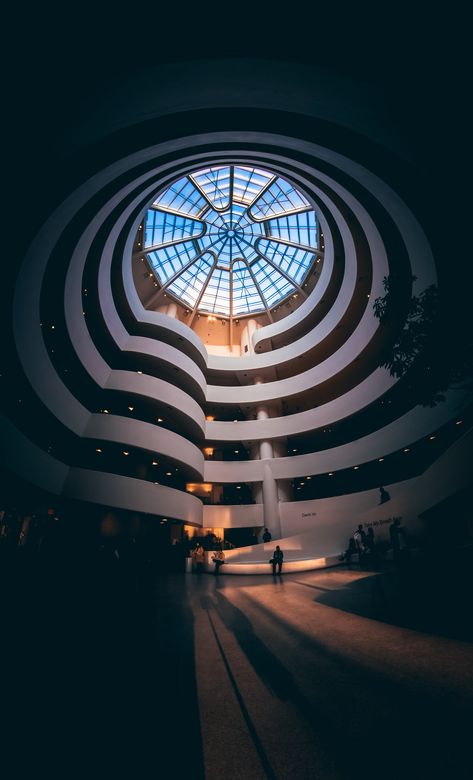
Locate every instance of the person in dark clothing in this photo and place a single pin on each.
(383, 496)
(360, 540)
(277, 559)
(219, 559)
(351, 549)
(398, 541)
(370, 548)
(266, 536)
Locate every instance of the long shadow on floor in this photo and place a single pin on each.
(374, 724)
(425, 595)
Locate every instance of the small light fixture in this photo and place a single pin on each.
(169, 473)
(105, 411)
(154, 463)
(131, 408)
(160, 419)
(125, 452)
(406, 449)
(330, 473)
(355, 468)
(97, 449)
(458, 422)
(139, 372)
(380, 460)
(431, 438)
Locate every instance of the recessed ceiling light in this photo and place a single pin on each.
(169, 473)
(355, 468)
(406, 449)
(160, 419)
(380, 460)
(97, 449)
(131, 408)
(125, 452)
(154, 463)
(458, 422)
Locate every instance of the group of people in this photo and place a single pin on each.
(218, 557)
(363, 544)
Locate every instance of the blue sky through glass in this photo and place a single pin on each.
(231, 239)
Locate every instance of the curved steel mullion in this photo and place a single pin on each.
(175, 242)
(285, 241)
(219, 209)
(204, 287)
(280, 270)
(260, 293)
(262, 191)
(300, 210)
(177, 274)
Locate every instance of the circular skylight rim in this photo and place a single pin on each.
(232, 240)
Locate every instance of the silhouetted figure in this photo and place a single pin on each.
(277, 560)
(370, 548)
(266, 536)
(383, 496)
(198, 557)
(219, 559)
(360, 537)
(398, 539)
(351, 549)
(369, 540)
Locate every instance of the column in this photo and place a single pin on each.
(270, 498)
(247, 336)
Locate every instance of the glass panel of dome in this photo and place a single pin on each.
(169, 260)
(216, 298)
(165, 228)
(190, 282)
(182, 196)
(215, 183)
(258, 226)
(246, 297)
(272, 284)
(248, 183)
(291, 259)
(297, 228)
(279, 198)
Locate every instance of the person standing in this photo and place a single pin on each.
(266, 536)
(360, 542)
(277, 560)
(398, 541)
(219, 559)
(383, 495)
(199, 558)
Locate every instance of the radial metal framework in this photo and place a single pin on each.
(231, 240)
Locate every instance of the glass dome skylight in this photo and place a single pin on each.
(231, 240)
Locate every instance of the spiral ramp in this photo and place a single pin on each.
(108, 400)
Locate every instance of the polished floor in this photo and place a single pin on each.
(334, 674)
